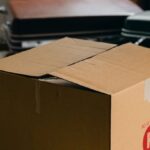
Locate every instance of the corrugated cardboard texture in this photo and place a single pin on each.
(112, 71)
(45, 59)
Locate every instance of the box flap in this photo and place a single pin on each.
(112, 71)
(86, 43)
(45, 59)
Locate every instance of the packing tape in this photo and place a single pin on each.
(37, 97)
(147, 90)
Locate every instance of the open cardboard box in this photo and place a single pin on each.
(76, 95)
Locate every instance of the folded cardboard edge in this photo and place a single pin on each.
(88, 43)
(9, 64)
(56, 74)
(142, 77)
(62, 82)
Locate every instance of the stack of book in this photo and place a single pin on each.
(30, 23)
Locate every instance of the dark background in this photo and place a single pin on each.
(145, 4)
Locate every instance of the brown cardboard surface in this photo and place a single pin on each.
(68, 117)
(129, 56)
(17, 108)
(109, 111)
(111, 71)
(48, 58)
(86, 43)
(72, 118)
(130, 114)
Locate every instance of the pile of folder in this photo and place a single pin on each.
(30, 23)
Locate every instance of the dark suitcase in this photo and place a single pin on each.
(137, 28)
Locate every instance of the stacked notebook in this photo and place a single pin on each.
(30, 23)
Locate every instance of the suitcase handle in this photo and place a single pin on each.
(140, 40)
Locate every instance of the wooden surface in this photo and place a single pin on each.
(23, 9)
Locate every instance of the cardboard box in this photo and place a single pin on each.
(76, 95)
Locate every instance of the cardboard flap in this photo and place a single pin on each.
(111, 71)
(86, 43)
(48, 58)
